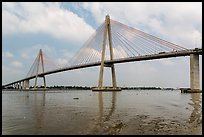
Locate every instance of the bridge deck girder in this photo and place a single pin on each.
(115, 61)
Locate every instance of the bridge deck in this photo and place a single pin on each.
(122, 60)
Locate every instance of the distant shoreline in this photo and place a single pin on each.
(89, 88)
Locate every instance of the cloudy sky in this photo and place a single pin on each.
(60, 29)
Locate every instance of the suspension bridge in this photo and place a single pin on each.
(112, 43)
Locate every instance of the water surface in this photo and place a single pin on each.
(86, 112)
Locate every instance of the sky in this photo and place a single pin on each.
(60, 30)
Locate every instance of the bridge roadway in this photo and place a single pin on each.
(122, 60)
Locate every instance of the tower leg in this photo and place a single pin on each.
(44, 82)
(35, 82)
(100, 83)
(113, 76)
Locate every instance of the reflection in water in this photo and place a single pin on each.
(196, 104)
(106, 124)
(27, 94)
(39, 111)
(112, 106)
(100, 106)
(103, 118)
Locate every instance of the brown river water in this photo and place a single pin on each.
(83, 112)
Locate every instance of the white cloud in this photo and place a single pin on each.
(119, 53)
(7, 54)
(66, 54)
(167, 62)
(97, 10)
(24, 55)
(17, 64)
(176, 22)
(46, 18)
(50, 56)
(62, 62)
(9, 74)
(32, 52)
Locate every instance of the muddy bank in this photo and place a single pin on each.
(144, 125)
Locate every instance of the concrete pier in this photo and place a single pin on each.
(194, 73)
(26, 84)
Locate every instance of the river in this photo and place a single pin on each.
(83, 112)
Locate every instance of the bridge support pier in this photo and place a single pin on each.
(26, 84)
(21, 84)
(18, 87)
(194, 73)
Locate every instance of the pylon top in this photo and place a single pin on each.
(107, 16)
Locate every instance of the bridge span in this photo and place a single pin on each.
(126, 44)
(115, 61)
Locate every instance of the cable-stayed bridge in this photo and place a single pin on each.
(113, 42)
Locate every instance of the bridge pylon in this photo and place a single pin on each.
(100, 82)
(40, 59)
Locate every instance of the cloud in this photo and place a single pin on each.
(32, 51)
(179, 23)
(62, 62)
(52, 59)
(167, 62)
(24, 55)
(50, 51)
(7, 54)
(17, 64)
(119, 53)
(9, 74)
(48, 18)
